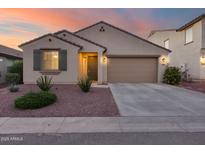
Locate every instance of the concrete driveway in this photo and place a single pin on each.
(157, 100)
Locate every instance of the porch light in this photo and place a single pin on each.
(202, 59)
(104, 60)
(164, 60)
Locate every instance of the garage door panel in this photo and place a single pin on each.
(132, 70)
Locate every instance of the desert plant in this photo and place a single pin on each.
(17, 67)
(33, 100)
(12, 78)
(13, 88)
(172, 75)
(85, 83)
(44, 83)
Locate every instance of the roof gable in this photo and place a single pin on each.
(80, 37)
(124, 31)
(36, 39)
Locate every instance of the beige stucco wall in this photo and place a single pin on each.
(65, 77)
(203, 33)
(120, 43)
(87, 48)
(183, 54)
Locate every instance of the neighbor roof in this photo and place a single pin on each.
(49, 34)
(159, 30)
(7, 51)
(124, 31)
(62, 31)
(191, 22)
(182, 27)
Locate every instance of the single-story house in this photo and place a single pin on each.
(7, 57)
(103, 52)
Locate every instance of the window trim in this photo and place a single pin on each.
(50, 50)
(186, 43)
(169, 44)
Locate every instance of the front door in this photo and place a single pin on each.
(92, 68)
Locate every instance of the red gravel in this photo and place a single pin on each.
(196, 86)
(3, 85)
(72, 102)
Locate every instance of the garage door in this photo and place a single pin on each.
(132, 70)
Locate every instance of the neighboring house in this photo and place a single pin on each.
(102, 52)
(187, 44)
(7, 57)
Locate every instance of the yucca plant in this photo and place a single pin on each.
(85, 83)
(44, 83)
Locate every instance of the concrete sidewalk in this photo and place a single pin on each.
(101, 124)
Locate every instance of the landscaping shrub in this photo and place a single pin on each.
(172, 75)
(12, 78)
(17, 67)
(44, 83)
(33, 100)
(85, 84)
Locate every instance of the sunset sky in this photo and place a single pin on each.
(20, 25)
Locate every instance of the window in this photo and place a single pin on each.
(50, 60)
(188, 35)
(166, 44)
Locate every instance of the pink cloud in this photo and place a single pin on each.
(52, 20)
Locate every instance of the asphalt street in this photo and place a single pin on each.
(151, 138)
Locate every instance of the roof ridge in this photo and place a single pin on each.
(68, 41)
(27, 42)
(88, 26)
(64, 30)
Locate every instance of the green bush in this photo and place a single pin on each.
(12, 78)
(44, 83)
(172, 76)
(17, 67)
(13, 88)
(33, 100)
(85, 84)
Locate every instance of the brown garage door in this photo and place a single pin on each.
(132, 70)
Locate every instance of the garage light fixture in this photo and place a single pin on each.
(202, 59)
(164, 60)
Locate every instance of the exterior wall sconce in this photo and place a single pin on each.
(164, 60)
(202, 59)
(105, 60)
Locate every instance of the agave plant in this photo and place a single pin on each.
(44, 83)
(85, 83)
